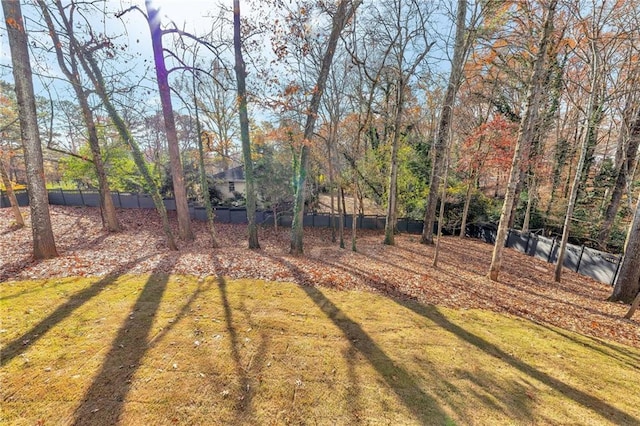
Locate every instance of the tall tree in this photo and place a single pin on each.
(94, 73)
(628, 282)
(628, 149)
(342, 15)
(593, 27)
(241, 74)
(440, 150)
(524, 138)
(162, 75)
(69, 66)
(44, 246)
(589, 125)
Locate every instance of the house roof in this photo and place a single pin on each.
(234, 174)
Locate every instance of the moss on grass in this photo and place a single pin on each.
(167, 350)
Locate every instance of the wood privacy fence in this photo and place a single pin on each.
(598, 265)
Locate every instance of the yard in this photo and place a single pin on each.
(120, 330)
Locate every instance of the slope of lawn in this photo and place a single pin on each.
(176, 349)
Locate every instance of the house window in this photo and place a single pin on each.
(232, 186)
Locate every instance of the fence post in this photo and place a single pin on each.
(580, 259)
(615, 275)
(64, 200)
(526, 246)
(81, 197)
(553, 243)
(119, 199)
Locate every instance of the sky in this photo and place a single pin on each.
(190, 15)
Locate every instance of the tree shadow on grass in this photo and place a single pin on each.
(20, 344)
(244, 371)
(599, 407)
(104, 401)
(423, 406)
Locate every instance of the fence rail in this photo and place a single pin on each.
(596, 264)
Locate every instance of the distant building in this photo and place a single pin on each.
(230, 182)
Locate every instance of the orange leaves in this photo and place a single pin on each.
(14, 24)
(291, 89)
(490, 146)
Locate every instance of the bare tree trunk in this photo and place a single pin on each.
(391, 218)
(628, 282)
(354, 221)
(443, 199)
(460, 51)
(591, 121)
(204, 183)
(530, 200)
(332, 216)
(107, 208)
(241, 74)
(44, 246)
(525, 136)
(13, 201)
(340, 18)
(465, 210)
(177, 174)
(624, 172)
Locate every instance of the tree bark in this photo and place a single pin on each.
(340, 18)
(628, 282)
(525, 136)
(241, 74)
(13, 201)
(467, 203)
(177, 174)
(530, 200)
(107, 208)
(460, 51)
(44, 246)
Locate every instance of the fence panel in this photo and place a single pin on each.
(91, 199)
(286, 220)
(200, 213)
(599, 266)
(169, 203)
(237, 216)
(57, 198)
(541, 247)
(414, 227)
(145, 201)
(519, 241)
(21, 196)
(571, 256)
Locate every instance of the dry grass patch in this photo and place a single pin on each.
(169, 349)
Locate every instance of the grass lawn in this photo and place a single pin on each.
(170, 349)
